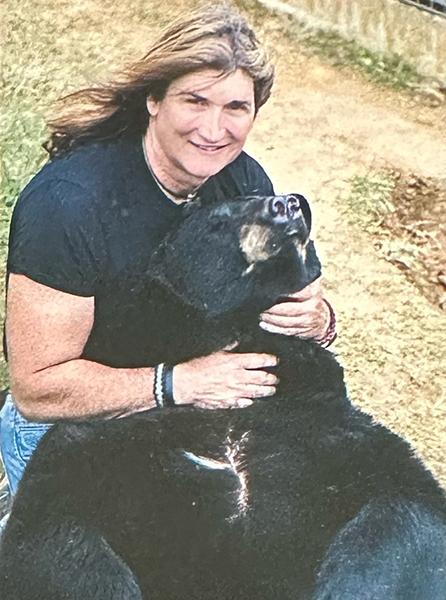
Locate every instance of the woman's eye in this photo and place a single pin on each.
(238, 107)
(196, 101)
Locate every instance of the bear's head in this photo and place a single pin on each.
(238, 254)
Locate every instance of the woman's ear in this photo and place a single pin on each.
(152, 106)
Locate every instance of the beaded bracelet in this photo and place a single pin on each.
(330, 335)
(163, 386)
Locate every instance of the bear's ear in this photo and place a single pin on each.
(306, 210)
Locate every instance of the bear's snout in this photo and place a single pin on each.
(284, 208)
(291, 212)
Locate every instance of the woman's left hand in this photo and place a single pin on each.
(302, 313)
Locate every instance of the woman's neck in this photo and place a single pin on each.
(175, 190)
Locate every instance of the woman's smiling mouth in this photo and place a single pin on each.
(208, 147)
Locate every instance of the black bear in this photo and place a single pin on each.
(300, 496)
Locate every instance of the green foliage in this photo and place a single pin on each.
(386, 69)
(370, 199)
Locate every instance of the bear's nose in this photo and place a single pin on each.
(284, 209)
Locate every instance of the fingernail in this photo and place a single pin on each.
(244, 403)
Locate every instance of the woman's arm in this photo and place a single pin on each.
(46, 331)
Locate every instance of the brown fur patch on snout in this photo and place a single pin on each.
(256, 242)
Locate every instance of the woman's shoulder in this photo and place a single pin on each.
(87, 166)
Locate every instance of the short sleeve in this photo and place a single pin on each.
(56, 238)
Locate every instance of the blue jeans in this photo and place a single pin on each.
(18, 440)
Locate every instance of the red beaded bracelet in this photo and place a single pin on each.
(330, 335)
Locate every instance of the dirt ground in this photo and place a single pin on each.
(322, 127)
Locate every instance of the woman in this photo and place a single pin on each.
(124, 158)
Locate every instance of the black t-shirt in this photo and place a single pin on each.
(90, 220)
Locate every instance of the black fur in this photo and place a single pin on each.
(337, 507)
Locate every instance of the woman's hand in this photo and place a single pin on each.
(224, 380)
(303, 313)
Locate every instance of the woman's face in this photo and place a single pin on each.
(199, 126)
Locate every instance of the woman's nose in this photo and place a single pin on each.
(211, 127)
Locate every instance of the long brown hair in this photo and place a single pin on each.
(215, 36)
